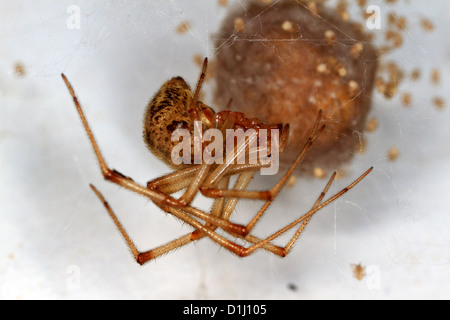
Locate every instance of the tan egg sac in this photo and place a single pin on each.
(286, 63)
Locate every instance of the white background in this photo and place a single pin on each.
(57, 241)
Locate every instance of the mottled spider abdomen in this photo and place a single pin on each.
(166, 112)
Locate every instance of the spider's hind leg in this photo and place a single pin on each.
(143, 257)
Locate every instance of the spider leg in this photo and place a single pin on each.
(220, 209)
(110, 174)
(306, 217)
(270, 195)
(224, 209)
(217, 210)
(209, 191)
(174, 181)
(143, 257)
(261, 195)
(192, 189)
(304, 220)
(245, 251)
(181, 179)
(194, 110)
(283, 251)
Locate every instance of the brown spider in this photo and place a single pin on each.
(175, 107)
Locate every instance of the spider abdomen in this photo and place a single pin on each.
(166, 112)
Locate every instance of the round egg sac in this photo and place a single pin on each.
(284, 62)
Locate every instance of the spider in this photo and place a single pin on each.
(173, 107)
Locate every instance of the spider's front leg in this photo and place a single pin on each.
(158, 198)
(110, 174)
(143, 257)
